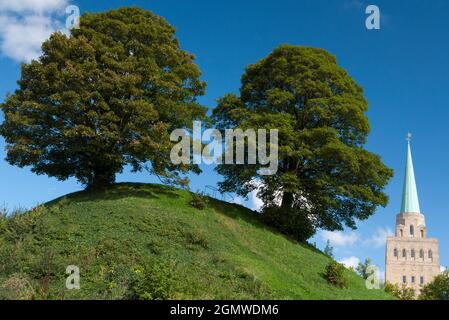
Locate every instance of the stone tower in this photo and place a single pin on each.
(411, 257)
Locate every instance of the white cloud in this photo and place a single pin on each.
(38, 6)
(351, 262)
(442, 269)
(25, 24)
(256, 202)
(338, 238)
(379, 238)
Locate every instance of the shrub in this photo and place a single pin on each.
(199, 201)
(401, 292)
(119, 280)
(9, 257)
(438, 289)
(20, 223)
(335, 274)
(155, 282)
(16, 287)
(197, 238)
(44, 265)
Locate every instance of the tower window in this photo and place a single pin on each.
(421, 254)
(412, 254)
(404, 279)
(402, 233)
(422, 233)
(412, 231)
(413, 279)
(430, 254)
(395, 252)
(421, 280)
(404, 253)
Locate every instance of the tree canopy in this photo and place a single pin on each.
(105, 96)
(438, 289)
(326, 179)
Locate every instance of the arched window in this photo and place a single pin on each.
(412, 254)
(421, 254)
(412, 231)
(402, 233)
(430, 254)
(422, 233)
(404, 279)
(404, 253)
(421, 280)
(395, 252)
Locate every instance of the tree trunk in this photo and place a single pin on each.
(287, 200)
(101, 179)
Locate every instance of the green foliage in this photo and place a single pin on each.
(438, 289)
(365, 269)
(155, 282)
(334, 274)
(44, 265)
(106, 96)
(329, 250)
(325, 175)
(199, 200)
(290, 222)
(196, 239)
(146, 238)
(17, 287)
(401, 292)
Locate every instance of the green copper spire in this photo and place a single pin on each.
(410, 202)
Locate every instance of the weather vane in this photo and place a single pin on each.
(409, 137)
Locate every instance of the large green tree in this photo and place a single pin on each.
(107, 95)
(326, 179)
(438, 289)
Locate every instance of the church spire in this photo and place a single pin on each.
(410, 202)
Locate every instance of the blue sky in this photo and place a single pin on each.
(403, 67)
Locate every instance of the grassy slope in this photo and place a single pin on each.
(220, 252)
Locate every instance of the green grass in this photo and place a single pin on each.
(118, 235)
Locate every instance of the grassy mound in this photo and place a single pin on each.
(136, 241)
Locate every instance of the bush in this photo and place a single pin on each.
(197, 238)
(438, 289)
(21, 222)
(335, 274)
(119, 281)
(16, 287)
(44, 264)
(155, 282)
(401, 292)
(289, 222)
(199, 200)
